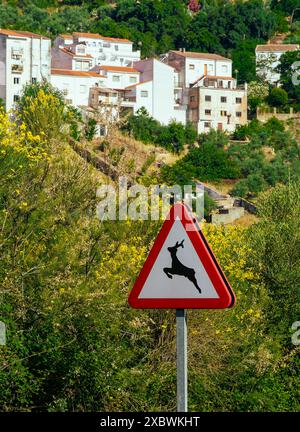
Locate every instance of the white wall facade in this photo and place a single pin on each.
(108, 51)
(23, 60)
(76, 85)
(268, 58)
(219, 113)
(195, 68)
(118, 78)
(268, 72)
(144, 97)
(162, 103)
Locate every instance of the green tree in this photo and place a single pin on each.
(276, 241)
(278, 97)
(289, 69)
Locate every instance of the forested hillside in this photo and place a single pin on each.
(231, 28)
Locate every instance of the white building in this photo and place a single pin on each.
(156, 91)
(104, 50)
(24, 58)
(204, 87)
(215, 102)
(268, 58)
(118, 77)
(76, 85)
(72, 57)
(190, 66)
(149, 85)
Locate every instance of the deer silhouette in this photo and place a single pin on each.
(178, 268)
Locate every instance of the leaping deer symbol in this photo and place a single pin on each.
(178, 268)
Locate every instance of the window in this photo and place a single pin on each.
(80, 49)
(82, 89)
(238, 114)
(207, 112)
(85, 66)
(144, 93)
(116, 47)
(16, 80)
(191, 66)
(192, 98)
(106, 44)
(207, 98)
(33, 80)
(77, 65)
(68, 101)
(223, 99)
(224, 68)
(132, 79)
(102, 130)
(207, 124)
(16, 98)
(223, 113)
(116, 78)
(238, 100)
(210, 68)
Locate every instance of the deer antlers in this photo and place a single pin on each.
(179, 244)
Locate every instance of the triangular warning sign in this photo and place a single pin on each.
(181, 270)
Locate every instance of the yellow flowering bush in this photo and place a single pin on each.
(19, 139)
(43, 110)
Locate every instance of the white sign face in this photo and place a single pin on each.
(178, 272)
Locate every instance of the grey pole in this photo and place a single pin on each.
(181, 340)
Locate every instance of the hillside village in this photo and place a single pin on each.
(93, 71)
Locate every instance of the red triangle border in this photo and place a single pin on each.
(226, 295)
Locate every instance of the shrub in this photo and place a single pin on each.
(173, 137)
(278, 97)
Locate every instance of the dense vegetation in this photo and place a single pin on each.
(173, 137)
(261, 156)
(271, 156)
(72, 341)
(156, 26)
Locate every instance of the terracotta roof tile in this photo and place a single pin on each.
(98, 36)
(119, 69)
(208, 56)
(71, 53)
(66, 36)
(277, 47)
(76, 73)
(19, 33)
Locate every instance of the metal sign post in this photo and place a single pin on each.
(181, 341)
(181, 272)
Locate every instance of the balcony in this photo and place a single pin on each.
(17, 68)
(128, 102)
(17, 54)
